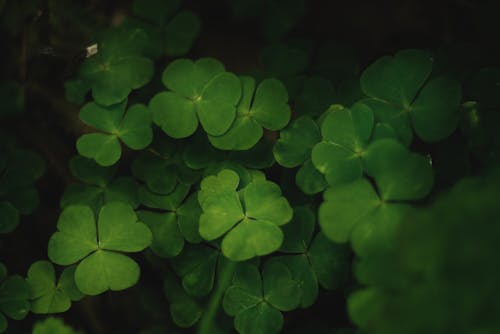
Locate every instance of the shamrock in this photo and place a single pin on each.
(196, 266)
(171, 228)
(45, 295)
(162, 170)
(199, 91)
(98, 185)
(345, 133)
(311, 259)
(14, 296)
(357, 212)
(19, 169)
(256, 301)
(133, 128)
(252, 229)
(412, 100)
(293, 149)
(118, 67)
(98, 249)
(184, 309)
(172, 33)
(264, 107)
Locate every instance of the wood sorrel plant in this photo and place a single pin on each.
(251, 195)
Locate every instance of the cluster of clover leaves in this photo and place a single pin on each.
(180, 164)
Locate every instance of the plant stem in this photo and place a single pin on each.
(208, 324)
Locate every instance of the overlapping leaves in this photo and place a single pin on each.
(98, 185)
(313, 260)
(14, 296)
(19, 169)
(255, 301)
(46, 295)
(403, 96)
(171, 32)
(250, 225)
(199, 92)
(118, 67)
(357, 212)
(262, 107)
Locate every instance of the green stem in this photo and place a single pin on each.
(208, 323)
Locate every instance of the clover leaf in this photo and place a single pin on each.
(296, 141)
(118, 67)
(52, 325)
(264, 107)
(256, 301)
(99, 185)
(358, 213)
(196, 266)
(199, 92)
(184, 309)
(309, 180)
(345, 133)
(14, 296)
(98, 249)
(412, 100)
(171, 228)
(252, 227)
(355, 212)
(398, 173)
(46, 296)
(310, 263)
(173, 33)
(19, 169)
(133, 128)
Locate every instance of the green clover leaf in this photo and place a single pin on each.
(19, 169)
(196, 266)
(264, 107)
(98, 249)
(398, 173)
(118, 67)
(403, 96)
(310, 263)
(345, 133)
(46, 296)
(252, 231)
(52, 325)
(296, 141)
(256, 301)
(99, 185)
(14, 296)
(199, 92)
(133, 128)
(171, 228)
(173, 33)
(355, 212)
(184, 309)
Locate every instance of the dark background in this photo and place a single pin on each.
(42, 55)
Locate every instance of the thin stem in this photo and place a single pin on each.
(208, 321)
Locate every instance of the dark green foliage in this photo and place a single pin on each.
(308, 186)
